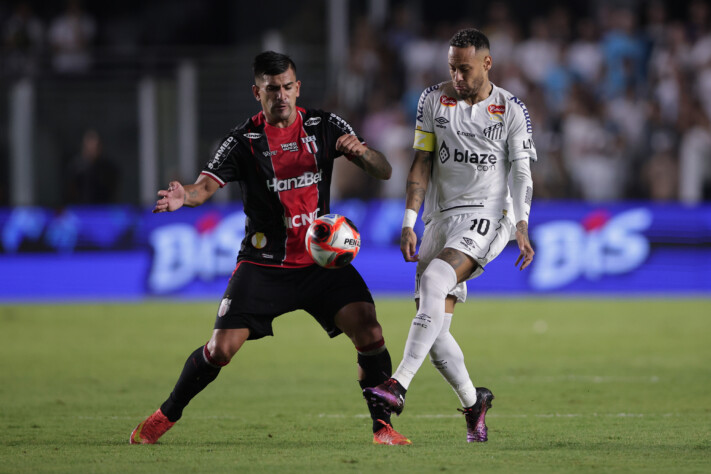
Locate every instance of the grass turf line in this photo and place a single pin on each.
(580, 385)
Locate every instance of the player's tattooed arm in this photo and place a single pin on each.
(368, 159)
(524, 244)
(200, 191)
(417, 179)
(177, 195)
(375, 164)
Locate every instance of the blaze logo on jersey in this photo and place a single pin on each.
(312, 121)
(253, 136)
(447, 101)
(496, 109)
(306, 179)
(443, 153)
(494, 132)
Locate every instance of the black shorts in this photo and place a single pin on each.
(256, 294)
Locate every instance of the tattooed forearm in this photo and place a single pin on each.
(376, 165)
(415, 194)
(522, 227)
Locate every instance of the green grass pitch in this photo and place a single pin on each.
(580, 385)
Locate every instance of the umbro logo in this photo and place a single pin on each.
(441, 122)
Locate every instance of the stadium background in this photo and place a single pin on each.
(619, 94)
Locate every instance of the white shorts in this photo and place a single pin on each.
(476, 235)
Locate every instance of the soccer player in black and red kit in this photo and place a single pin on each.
(283, 159)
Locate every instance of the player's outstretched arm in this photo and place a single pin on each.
(417, 180)
(191, 195)
(368, 159)
(522, 193)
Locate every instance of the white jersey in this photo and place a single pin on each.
(473, 148)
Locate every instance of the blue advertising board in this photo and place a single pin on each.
(125, 253)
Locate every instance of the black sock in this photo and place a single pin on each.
(196, 375)
(377, 369)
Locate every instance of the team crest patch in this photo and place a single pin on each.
(494, 132)
(259, 240)
(448, 101)
(224, 307)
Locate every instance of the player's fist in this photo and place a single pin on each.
(171, 199)
(350, 146)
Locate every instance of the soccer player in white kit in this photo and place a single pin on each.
(474, 145)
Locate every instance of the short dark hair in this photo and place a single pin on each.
(271, 64)
(469, 37)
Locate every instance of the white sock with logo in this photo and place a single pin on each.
(447, 357)
(436, 282)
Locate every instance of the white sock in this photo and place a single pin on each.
(435, 283)
(447, 357)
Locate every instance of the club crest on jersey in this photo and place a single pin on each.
(312, 121)
(447, 101)
(309, 142)
(494, 132)
(443, 153)
(224, 307)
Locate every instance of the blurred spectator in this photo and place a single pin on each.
(695, 157)
(658, 161)
(92, 177)
(70, 38)
(537, 54)
(623, 52)
(22, 36)
(591, 151)
(584, 55)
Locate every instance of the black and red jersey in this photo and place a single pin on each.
(285, 176)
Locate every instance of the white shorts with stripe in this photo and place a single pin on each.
(478, 235)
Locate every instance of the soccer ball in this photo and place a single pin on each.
(332, 241)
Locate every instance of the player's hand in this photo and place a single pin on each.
(408, 244)
(171, 199)
(524, 245)
(350, 146)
